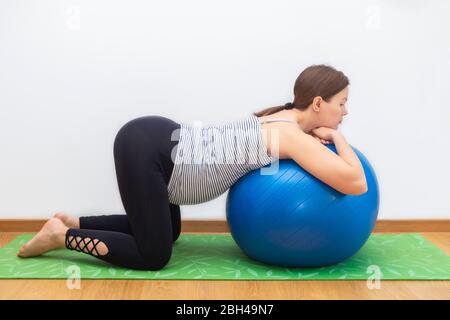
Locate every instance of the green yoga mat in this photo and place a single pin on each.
(217, 257)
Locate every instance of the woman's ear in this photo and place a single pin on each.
(316, 103)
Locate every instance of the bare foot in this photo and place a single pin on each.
(51, 236)
(68, 220)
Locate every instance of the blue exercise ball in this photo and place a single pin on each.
(290, 218)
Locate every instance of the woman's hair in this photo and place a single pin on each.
(316, 80)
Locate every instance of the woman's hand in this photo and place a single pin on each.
(321, 140)
(324, 134)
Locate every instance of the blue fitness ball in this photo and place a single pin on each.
(290, 218)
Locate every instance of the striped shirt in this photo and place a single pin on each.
(209, 160)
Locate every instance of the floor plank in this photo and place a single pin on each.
(207, 289)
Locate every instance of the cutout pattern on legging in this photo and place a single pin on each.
(85, 248)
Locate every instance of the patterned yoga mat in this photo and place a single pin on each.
(217, 257)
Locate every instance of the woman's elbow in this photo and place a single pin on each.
(358, 188)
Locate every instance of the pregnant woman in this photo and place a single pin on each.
(161, 164)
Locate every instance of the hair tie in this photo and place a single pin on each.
(289, 105)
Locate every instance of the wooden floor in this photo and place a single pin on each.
(212, 290)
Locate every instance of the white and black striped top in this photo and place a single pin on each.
(209, 160)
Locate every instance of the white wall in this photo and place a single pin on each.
(73, 72)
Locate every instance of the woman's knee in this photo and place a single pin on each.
(155, 263)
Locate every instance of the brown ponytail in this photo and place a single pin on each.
(316, 80)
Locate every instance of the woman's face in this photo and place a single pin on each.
(333, 111)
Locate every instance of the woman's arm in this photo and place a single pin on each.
(349, 156)
(342, 172)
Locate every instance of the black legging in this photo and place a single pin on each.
(143, 238)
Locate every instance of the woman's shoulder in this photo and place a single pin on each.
(280, 121)
(274, 133)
